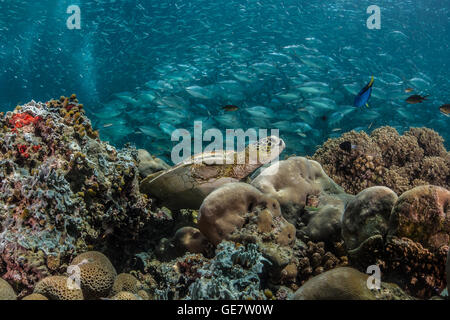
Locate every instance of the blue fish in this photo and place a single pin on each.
(363, 96)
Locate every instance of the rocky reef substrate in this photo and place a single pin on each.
(75, 225)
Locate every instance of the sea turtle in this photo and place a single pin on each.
(188, 183)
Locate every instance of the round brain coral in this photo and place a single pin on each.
(35, 296)
(124, 295)
(58, 288)
(125, 282)
(97, 274)
(6, 291)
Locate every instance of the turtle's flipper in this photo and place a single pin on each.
(152, 176)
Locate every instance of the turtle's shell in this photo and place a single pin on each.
(188, 183)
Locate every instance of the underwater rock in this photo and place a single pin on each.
(400, 162)
(422, 214)
(301, 186)
(64, 191)
(367, 215)
(147, 164)
(6, 291)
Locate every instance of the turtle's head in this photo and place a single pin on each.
(266, 149)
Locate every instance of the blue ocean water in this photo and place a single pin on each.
(143, 68)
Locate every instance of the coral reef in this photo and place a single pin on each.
(63, 191)
(386, 158)
(71, 212)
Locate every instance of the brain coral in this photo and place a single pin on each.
(63, 191)
(125, 282)
(6, 291)
(58, 288)
(124, 295)
(386, 158)
(97, 274)
(35, 296)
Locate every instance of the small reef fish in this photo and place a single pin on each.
(363, 96)
(416, 99)
(230, 107)
(445, 109)
(347, 146)
(107, 125)
(408, 90)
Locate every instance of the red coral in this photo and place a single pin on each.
(36, 148)
(23, 151)
(20, 120)
(70, 106)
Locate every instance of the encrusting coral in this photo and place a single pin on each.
(386, 158)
